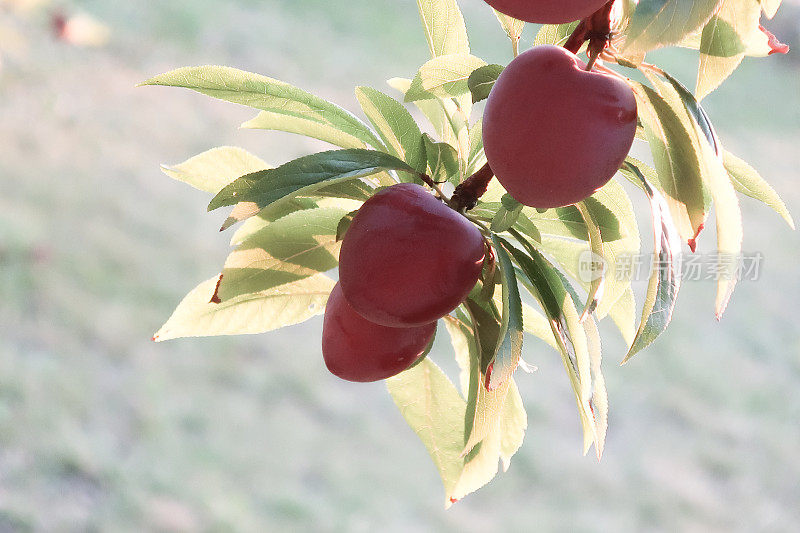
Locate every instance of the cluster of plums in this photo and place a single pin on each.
(406, 261)
(553, 134)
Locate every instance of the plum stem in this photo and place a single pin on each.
(592, 61)
(596, 28)
(435, 186)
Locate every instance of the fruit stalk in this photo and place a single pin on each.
(596, 29)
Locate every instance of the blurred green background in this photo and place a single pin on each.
(103, 430)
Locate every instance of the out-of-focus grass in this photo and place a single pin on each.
(102, 430)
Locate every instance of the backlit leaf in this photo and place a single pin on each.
(294, 247)
(305, 175)
(658, 23)
(482, 80)
(749, 182)
(395, 125)
(444, 77)
(259, 312)
(266, 94)
(724, 42)
(444, 27)
(665, 279)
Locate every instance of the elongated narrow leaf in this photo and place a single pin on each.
(727, 212)
(749, 182)
(259, 312)
(443, 164)
(599, 401)
(665, 280)
(293, 247)
(269, 214)
(214, 169)
(481, 81)
(770, 7)
(623, 313)
(509, 349)
(556, 34)
(696, 112)
(444, 27)
(486, 409)
(507, 215)
(444, 77)
(304, 175)
(433, 110)
(658, 23)
(511, 26)
(546, 285)
(612, 211)
(395, 125)
(678, 160)
(513, 423)
(308, 126)
(595, 269)
(435, 410)
(476, 156)
(724, 42)
(266, 94)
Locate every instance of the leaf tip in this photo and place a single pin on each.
(215, 299)
(693, 240)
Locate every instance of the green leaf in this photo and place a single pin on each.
(433, 408)
(511, 26)
(266, 94)
(658, 23)
(484, 406)
(259, 312)
(444, 27)
(433, 111)
(637, 172)
(556, 34)
(665, 279)
(305, 175)
(678, 159)
(482, 80)
(449, 117)
(613, 213)
(696, 112)
(623, 313)
(271, 213)
(444, 77)
(395, 125)
(727, 212)
(509, 348)
(599, 401)
(749, 182)
(724, 41)
(214, 169)
(546, 284)
(476, 157)
(507, 214)
(294, 247)
(513, 423)
(308, 126)
(443, 161)
(596, 277)
(344, 225)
